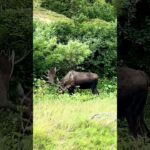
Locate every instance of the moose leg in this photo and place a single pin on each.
(94, 91)
(140, 129)
(132, 122)
(144, 126)
(94, 88)
(135, 114)
(142, 123)
(71, 90)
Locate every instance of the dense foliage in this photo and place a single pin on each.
(16, 35)
(72, 45)
(15, 4)
(88, 8)
(134, 33)
(16, 30)
(49, 53)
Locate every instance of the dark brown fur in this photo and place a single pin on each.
(85, 80)
(132, 96)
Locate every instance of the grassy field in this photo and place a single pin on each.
(78, 122)
(47, 16)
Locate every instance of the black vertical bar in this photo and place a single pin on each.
(133, 74)
(16, 79)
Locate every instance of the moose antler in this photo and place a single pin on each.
(51, 73)
(12, 59)
(23, 57)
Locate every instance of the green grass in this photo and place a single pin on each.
(63, 122)
(47, 16)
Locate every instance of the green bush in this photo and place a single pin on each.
(108, 86)
(49, 53)
(91, 9)
(101, 38)
(66, 45)
(16, 4)
(16, 30)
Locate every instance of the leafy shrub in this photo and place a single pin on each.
(101, 38)
(48, 53)
(91, 9)
(64, 31)
(15, 4)
(16, 30)
(70, 55)
(40, 87)
(108, 86)
(58, 45)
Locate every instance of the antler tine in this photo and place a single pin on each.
(11, 55)
(45, 77)
(23, 57)
(48, 71)
(2, 52)
(58, 81)
(12, 58)
(5, 53)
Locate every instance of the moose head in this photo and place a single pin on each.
(66, 83)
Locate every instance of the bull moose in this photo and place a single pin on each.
(85, 80)
(132, 96)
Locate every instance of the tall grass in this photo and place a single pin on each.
(79, 122)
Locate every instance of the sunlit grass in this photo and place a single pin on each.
(81, 121)
(47, 16)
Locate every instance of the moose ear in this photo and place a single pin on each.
(2, 52)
